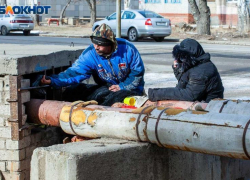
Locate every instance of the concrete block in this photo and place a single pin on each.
(29, 151)
(2, 144)
(12, 155)
(36, 137)
(27, 132)
(23, 109)
(25, 83)
(14, 175)
(2, 166)
(24, 119)
(13, 145)
(120, 159)
(4, 110)
(15, 166)
(5, 132)
(2, 121)
(25, 96)
(38, 63)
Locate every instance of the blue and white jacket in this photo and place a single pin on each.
(124, 68)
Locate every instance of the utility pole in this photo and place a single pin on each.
(118, 17)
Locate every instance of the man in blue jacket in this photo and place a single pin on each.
(115, 65)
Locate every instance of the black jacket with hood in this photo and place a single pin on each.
(198, 78)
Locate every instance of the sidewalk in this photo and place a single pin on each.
(220, 36)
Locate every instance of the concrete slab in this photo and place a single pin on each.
(120, 159)
(25, 59)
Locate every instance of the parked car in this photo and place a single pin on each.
(17, 22)
(136, 24)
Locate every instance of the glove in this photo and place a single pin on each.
(37, 82)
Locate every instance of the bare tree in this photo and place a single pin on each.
(201, 15)
(92, 6)
(63, 10)
(243, 16)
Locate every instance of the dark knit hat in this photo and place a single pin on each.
(101, 41)
(104, 36)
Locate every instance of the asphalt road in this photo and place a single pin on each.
(232, 61)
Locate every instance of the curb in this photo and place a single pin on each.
(64, 35)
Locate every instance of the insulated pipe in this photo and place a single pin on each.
(197, 106)
(196, 131)
(47, 112)
(229, 106)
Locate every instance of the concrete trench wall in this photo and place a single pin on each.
(17, 138)
(120, 159)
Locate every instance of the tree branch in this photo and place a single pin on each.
(204, 7)
(89, 3)
(194, 9)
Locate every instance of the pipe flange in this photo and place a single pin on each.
(244, 140)
(156, 127)
(138, 122)
(224, 103)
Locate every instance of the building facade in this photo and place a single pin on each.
(223, 12)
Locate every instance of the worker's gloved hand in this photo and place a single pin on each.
(36, 83)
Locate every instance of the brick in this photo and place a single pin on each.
(13, 145)
(2, 144)
(2, 166)
(15, 166)
(24, 119)
(36, 137)
(14, 175)
(4, 110)
(5, 132)
(25, 83)
(25, 95)
(29, 151)
(12, 155)
(27, 132)
(23, 109)
(2, 121)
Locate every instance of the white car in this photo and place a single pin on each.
(136, 24)
(16, 22)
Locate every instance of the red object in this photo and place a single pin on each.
(53, 20)
(129, 107)
(21, 21)
(148, 22)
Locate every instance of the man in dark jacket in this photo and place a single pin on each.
(198, 78)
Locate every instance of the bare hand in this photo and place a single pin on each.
(114, 88)
(175, 63)
(45, 81)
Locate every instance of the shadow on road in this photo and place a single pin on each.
(20, 34)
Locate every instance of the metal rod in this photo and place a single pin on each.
(36, 87)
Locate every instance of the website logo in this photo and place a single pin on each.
(24, 9)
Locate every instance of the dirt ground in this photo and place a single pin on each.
(179, 31)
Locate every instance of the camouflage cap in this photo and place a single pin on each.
(105, 32)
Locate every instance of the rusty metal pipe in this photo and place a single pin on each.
(44, 111)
